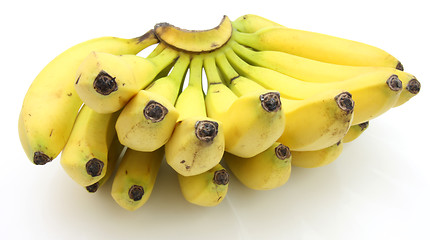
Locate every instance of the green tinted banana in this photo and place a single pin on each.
(374, 93)
(51, 104)
(252, 122)
(197, 143)
(106, 82)
(206, 189)
(355, 131)
(250, 23)
(318, 46)
(311, 124)
(85, 155)
(114, 155)
(135, 178)
(319, 158)
(148, 120)
(267, 170)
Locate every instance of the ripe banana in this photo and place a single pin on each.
(86, 152)
(44, 131)
(319, 158)
(252, 123)
(114, 155)
(267, 170)
(311, 124)
(206, 189)
(298, 68)
(135, 178)
(197, 143)
(148, 120)
(318, 46)
(374, 92)
(250, 23)
(106, 82)
(355, 131)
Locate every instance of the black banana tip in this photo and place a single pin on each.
(394, 83)
(155, 111)
(271, 101)
(39, 158)
(94, 167)
(400, 66)
(136, 192)
(413, 86)
(345, 102)
(221, 177)
(282, 152)
(206, 130)
(104, 83)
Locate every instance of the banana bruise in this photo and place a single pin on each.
(252, 122)
(355, 131)
(310, 124)
(374, 93)
(135, 178)
(85, 155)
(148, 120)
(267, 170)
(318, 158)
(106, 82)
(43, 131)
(197, 142)
(114, 155)
(206, 189)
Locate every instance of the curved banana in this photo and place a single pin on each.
(114, 154)
(250, 23)
(206, 189)
(106, 82)
(197, 143)
(86, 152)
(318, 46)
(252, 123)
(374, 92)
(355, 131)
(319, 158)
(311, 124)
(51, 104)
(148, 120)
(267, 170)
(135, 178)
(309, 70)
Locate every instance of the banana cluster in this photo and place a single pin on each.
(275, 97)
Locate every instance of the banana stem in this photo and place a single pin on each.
(196, 72)
(226, 69)
(158, 49)
(213, 77)
(163, 59)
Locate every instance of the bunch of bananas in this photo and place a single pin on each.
(275, 97)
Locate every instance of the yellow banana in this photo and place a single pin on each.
(315, 71)
(86, 152)
(311, 124)
(51, 104)
(319, 158)
(374, 93)
(318, 46)
(114, 154)
(206, 189)
(267, 170)
(106, 82)
(197, 143)
(135, 178)
(355, 131)
(148, 120)
(252, 122)
(250, 23)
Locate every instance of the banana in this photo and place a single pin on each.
(114, 155)
(106, 82)
(252, 123)
(86, 152)
(135, 178)
(298, 67)
(197, 143)
(250, 23)
(374, 92)
(206, 189)
(318, 46)
(267, 170)
(319, 158)
(311, 124)
(195, 41)
(51, 103)
(148, 120)
(355, 131)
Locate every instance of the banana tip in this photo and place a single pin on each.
(345, 102)
(413, 86)
(155, 111)
(136, 192)
(104, 83)
(394, 83)
(206, 131)
(221, 177)
(39, 158)
(282, 152)
(94, 167)
(271, 101)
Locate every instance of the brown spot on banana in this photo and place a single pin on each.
(196, 41)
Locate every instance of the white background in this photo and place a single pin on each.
(378, 188)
